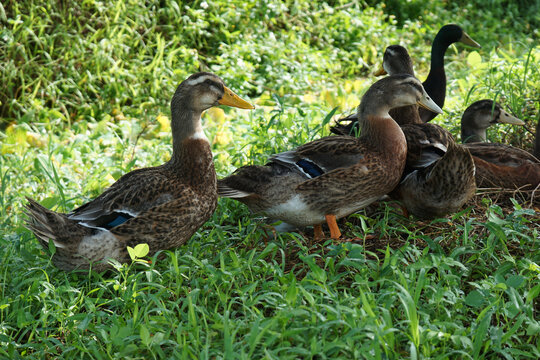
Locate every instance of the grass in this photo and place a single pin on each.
(85, 100)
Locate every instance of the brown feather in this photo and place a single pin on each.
(161, 206)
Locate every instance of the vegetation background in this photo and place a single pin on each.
(84, 94)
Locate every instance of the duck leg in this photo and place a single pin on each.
(318, 233)
(332, 224)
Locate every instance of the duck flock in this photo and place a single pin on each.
(387, 149)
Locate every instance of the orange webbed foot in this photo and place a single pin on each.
(318, 232)
(332, 224)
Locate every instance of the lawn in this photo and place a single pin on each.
(85, 98)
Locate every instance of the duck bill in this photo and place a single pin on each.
(467, 40)
(380, 72)
(506, 118)
(231, 99)
(427, 103)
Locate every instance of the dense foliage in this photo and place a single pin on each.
(84, 99)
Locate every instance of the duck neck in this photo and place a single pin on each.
(185, 125)
(384, 135)
(406, 115)
(435, 83)
(372, 108)
(469, 134)
(192, 156)
(438, 49)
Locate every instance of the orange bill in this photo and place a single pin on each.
(231, 99)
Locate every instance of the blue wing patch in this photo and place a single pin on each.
(119, 220)
(310, 168)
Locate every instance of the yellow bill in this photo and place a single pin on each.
(506, 118)
(467, 40)
(231, 99)
(380, 72)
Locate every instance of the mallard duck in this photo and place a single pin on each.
(439, 174)
(396, 60)
(479, 116)
(161, 206)
(334, 176)
(498, 165)
(435, 83)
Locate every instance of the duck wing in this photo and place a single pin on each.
(426, 143)
(501, 154)
(322, 156)
(131, 195)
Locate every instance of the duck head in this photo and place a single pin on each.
(452, 33)
(396, 60)
(202, 91)
(395, 91)
(479, 116)
(194, 95)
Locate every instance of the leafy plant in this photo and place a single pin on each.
(85, 94)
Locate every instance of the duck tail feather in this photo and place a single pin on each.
(49, 225)
(226, 191)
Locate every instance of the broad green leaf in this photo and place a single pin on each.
(474, 59)
(145, 335)
(475, 299)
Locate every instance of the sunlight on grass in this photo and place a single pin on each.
(86, 98)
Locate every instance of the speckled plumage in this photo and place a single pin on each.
(347, 184)
(504, 166)
(161, 206)
(536, 151)
(439, 174)
(335, 175)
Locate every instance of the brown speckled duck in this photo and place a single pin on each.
(439, 174)
(497, 165)
(334, 176)
(161, 206)
(504, 166)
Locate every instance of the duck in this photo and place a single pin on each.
(504, 166)
(161, 206)
(479, 116)
(498, 165)
(438, 178)
(332, 177)
(435, 83)
(396, 60)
